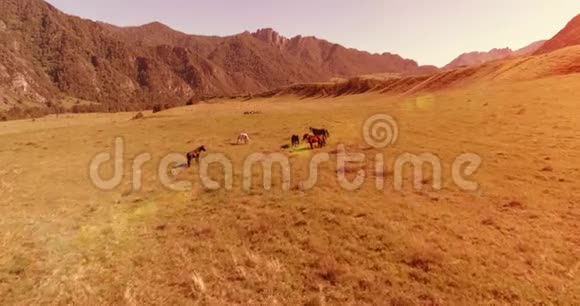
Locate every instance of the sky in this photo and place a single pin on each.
(430, 32)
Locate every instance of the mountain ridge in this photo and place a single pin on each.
(47, 56)
(480, 57)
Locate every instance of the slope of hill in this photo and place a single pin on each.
(46, 55)
(561, 62)
(55, 55)
(478, 58)
(529, 49)
(569, 36)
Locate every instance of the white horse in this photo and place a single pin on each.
(243, 138)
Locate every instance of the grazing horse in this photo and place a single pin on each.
(243, 138)
(314, 139)
(194, 155)
(295, 140)
(320, 132)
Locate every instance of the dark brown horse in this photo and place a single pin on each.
(314, 139)
(295, 140)
(320, 132)
(194, 155)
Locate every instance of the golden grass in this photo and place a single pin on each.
(515, 241)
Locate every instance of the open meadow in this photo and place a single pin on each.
(514, 240)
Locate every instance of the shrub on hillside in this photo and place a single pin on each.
(138, 116)
(193, 100)
(157, 108)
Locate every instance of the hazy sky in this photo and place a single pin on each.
(431, 32)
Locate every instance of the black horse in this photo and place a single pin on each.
(320, 132)
(295, 140)
(194, 155)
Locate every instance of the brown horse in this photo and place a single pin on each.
(295, 140)
(194, 155)
(320, 132)
(314, 139)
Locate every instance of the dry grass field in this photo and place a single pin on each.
(514, 241)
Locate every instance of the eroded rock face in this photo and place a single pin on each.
(270, 36)
(3, 26)
(20, 84)
(3, 72)
(18, 89)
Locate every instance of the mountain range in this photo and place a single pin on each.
(47, 56)
(49, 59)
(478, 58)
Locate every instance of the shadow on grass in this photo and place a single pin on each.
(300, 149)
(184, 165)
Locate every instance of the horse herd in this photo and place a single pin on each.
(317, 137)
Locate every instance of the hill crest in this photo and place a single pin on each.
(568, 36)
